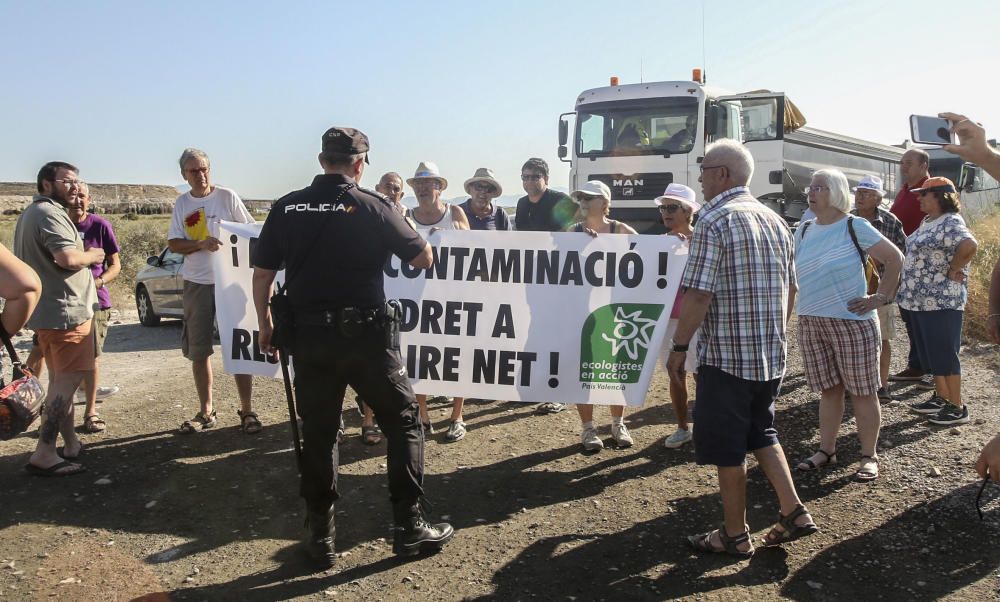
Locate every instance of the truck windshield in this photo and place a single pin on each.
(642, 127)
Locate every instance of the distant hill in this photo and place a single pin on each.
(106, 198)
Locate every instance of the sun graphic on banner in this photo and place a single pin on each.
(631, 331)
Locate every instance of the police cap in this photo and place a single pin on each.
(345, 141)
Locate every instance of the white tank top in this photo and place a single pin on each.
(445, 223)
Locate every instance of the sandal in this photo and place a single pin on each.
(94, 424)
(808, 465)
(867, 474)
(791, 530)
(249, 422)
(200, 422)
(703, 542)
(371, 435)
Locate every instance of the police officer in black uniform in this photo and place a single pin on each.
(333, 238)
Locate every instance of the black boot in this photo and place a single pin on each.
(413, 534)
(319, 543)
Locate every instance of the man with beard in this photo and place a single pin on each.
(47, 240)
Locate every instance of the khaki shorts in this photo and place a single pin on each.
(71, 350)
(199, 320)
(101, 319)
(887, 321)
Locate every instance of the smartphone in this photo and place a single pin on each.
(925, 129)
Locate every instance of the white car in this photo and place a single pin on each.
(159, 288)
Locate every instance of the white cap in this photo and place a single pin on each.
(870, 183)
(592, 188)
(678, 192)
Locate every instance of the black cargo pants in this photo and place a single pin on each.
(325, 362)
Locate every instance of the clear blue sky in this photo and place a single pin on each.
(120, 88)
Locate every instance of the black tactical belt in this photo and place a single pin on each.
(332, 317)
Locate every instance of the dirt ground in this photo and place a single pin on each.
(216, 515)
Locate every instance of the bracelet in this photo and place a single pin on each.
(882, 298)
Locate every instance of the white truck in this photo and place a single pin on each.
(637, 138)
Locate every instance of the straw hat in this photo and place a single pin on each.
(484, 174)
(428, 170)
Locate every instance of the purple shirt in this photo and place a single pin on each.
(96, 232)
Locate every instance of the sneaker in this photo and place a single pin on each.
(550, 408)
(883, 394)
(950, 414)
(105, 392)
(456, 432)
(910, 374)
(619, 432)
(931, 406)
(590, 440)
(926, 383)
(677, 439)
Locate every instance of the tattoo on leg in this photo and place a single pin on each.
(54, 413)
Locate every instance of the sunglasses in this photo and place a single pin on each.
(68, 183)
(669, 208)
(704, 168)
(482, 187)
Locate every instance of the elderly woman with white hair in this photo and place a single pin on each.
(594, 199)
(838, 326)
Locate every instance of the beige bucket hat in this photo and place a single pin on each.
(484, 174)
(428, 170)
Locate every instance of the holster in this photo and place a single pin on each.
(283, 334)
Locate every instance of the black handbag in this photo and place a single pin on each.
(21, 400)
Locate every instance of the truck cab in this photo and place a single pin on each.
(638, 138)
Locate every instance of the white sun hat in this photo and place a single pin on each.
(678, 192)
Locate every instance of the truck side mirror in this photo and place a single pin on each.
(712, 121)
(153, 261)
(562, 151)
(563, 135)
(967, 178)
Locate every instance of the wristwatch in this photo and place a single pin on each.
(882, 298)
(678, 348)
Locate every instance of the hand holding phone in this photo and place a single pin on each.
(925, 129)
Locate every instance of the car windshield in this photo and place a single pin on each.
(639, 127)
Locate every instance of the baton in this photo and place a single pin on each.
(292, 418)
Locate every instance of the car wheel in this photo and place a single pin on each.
(147, 317)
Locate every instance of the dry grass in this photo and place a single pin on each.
(138, 239)
(987, 232)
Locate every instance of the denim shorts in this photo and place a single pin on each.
(733, 416)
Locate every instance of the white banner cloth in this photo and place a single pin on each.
(518, 316)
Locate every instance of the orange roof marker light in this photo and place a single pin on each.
(614, 80)
(696, 75)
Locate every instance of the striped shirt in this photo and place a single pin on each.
(742, 253)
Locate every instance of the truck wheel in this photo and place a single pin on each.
(147, 317)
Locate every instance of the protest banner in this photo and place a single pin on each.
(518, 316)
(235, 313)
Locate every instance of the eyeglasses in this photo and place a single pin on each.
(70, 183)
(197, 170)
(702, 168)
(669, 208)
(531, 177)
(480, 187)
(809, 189)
